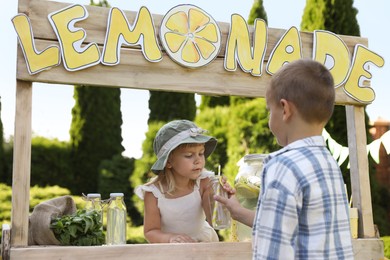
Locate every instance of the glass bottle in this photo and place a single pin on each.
(116, 220)
(247, 184)
(94, 202)
(220, 215)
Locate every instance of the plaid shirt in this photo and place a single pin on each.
(303, 209)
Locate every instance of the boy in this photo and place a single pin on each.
(302, 212)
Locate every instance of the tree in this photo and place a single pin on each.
(167, 106)
(248, 132)
(2, 154)
(95, 133)
(257, 11)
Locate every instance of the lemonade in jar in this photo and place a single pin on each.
(247, 184)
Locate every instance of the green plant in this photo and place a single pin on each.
(386, 241)
(81, 229)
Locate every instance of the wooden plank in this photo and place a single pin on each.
(199, 251)
(135, 71)
(363, 249)
(360, 181)
(21, 164)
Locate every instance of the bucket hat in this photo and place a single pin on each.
(177, 132)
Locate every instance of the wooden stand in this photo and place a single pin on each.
(135, 71)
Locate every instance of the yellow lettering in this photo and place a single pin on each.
(119, 31)
(330, 50)
(75, 56)
(288, 48)
(238, 47)
(359, 72)
(36, 61)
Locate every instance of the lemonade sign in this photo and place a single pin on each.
(192, 38)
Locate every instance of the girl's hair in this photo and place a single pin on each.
(166, 175)
(308, 85)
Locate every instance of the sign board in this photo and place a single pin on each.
(185, 50)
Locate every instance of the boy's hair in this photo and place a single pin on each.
(308, 85)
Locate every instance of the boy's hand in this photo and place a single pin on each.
(226, 186)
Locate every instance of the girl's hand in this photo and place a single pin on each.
(181, 239)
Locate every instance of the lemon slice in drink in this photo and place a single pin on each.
(190, 36)
(246, 189)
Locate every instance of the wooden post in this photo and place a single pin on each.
(360, 180)
(21, 165)
(5, 242)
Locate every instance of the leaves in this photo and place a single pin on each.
(81, 229)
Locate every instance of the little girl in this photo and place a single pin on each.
(176, 201)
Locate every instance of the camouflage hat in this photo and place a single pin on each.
(177, 132)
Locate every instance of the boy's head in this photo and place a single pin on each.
(308, 85)
(175, 133)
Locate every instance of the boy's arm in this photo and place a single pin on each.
(238, 212)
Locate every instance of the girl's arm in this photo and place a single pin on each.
(152, 224)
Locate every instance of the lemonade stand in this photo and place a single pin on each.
(185, 50)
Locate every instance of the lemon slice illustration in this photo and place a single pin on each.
(190, 36)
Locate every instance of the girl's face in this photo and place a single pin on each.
(187, 160)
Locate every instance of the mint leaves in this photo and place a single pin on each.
(84, 228)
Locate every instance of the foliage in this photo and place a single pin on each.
(50, 162)
(167, 106)
(39, 194)
(95, 134)
(135, 235)
(6, 173)
(386, 241)
(2, 152)
(248, 132)
(142, 173)
(338, 16)
(380, 197)
(212, 101)
(84, 228)
(5, 203)
(114, 176)
(257, 11)
(215, 121)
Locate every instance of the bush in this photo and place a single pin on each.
(50, 163)
(114, 176)
(386, 241)
(248, 132)
(215, 121)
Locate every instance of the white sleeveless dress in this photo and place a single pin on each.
(182, 215)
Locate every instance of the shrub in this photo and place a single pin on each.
(386, 241)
